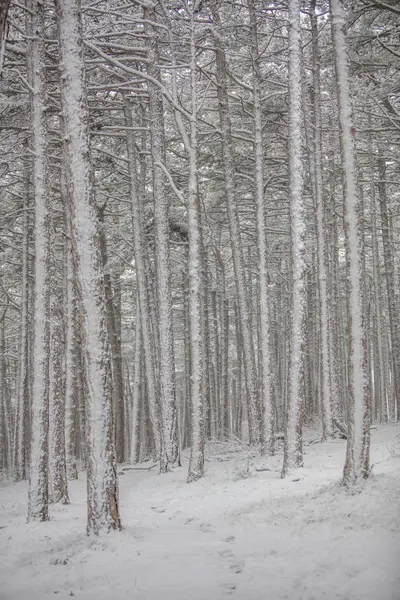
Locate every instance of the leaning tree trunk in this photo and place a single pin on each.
(293, 456)
(357, 455)
(38, 509)
(102, 487)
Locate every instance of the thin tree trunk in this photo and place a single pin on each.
(325, 391)
(170, 448)
(197, 387)
(38, 509)
(234, 231)
(265, 351)
(23, 414)
(142, 278)
(137, 379)
(394, 328)
(293, 456)
(57, 455)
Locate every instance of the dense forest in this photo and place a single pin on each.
(200, 213)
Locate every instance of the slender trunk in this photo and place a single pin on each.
(325, 391)
(265, 351)
(196, 466)
(4, 6)
(394, 328)
(116, 363)
(234, 232)
(57, 462)
(137, 379)
(170, 446)
(357, 455)
(293, 455)
(142, 278)
(23, 415)
(38, 509)
(380, 367)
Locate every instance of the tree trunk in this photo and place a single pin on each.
(38, 509)
(293, 456)
(170, 448)
(394, 328)
(325, 391)
(142, 279)
(357, 455)
(234, 232)
(197, 387)
(265, 374)
(102, 485)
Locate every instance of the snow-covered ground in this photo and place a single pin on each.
(255, 538)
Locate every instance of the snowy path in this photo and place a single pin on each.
(260, 538)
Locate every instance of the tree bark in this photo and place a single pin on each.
(38, 508)
(102, 484)
(357, 454)
(293, 456)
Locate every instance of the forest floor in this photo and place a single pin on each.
(250, 535)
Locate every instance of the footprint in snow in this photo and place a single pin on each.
(228, 588)
(236, 568)
(206, 527)
(226, 553)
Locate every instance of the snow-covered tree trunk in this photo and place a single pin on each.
(293, 456)
(102, 486)
(23, 412)
(338, 372)
(169, 421)
(234, 230)
(57, 457)
(4, 6)
(5, 429)
(141, 278)
(265, 375)
(357, 455)
(380, 370)
(388, 257)
(38, 504)
(197, 383)
(72, 355)
(325, 390)
(116, 362)
(215, 365)
(137, 379)
(226, 411)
